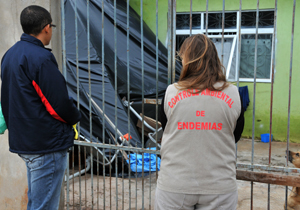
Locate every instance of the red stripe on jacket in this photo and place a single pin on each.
(48, 106)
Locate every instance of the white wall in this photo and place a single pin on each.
(13, 178)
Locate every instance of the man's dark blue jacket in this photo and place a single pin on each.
(37, 109)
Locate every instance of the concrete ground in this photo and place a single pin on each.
(137, 193)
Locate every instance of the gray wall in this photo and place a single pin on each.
(13, 179)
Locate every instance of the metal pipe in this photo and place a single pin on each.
(290, 94)
(174, 41)
(63, 38)
(239, 41)
(254, 94)
(98, 150)
(103, 100)
(90, 93)
(271, 100)
(98, 189)
(73, 172)
(108, 120)
(116, 147)
(79, 168)
(157, 73)
(223, 26)
(85, 185)
(170, 3)
(206, 20)
(128, 97)
(154, 140)
(125, 103)
(143, 90)
(191, 17)
(116, 98)
(68, 181)
(239, 44)
(78, 96)
(80, 172)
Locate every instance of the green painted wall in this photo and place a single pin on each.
(282, 58)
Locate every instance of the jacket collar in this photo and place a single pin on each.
(33, 40)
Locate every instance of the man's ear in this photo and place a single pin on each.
(47, 28)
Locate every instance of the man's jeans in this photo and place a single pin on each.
(45, 175)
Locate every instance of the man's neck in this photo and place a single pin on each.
(39, 37)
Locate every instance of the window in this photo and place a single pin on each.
(228, 54)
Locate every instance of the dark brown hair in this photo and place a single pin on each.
(202, 67)
(34, 18)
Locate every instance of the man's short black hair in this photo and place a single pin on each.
(34, 18)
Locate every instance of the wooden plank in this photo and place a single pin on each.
(152, 101)
(268, 178)
(150, 121)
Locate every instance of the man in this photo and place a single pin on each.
(37, 109)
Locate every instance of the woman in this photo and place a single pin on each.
(202, 118)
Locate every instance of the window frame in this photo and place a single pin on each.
(231, 33)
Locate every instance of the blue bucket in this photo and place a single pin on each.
(265, 137)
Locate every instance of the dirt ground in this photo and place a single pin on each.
(139, 193)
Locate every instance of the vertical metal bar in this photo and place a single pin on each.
(170, 6)
(128, 96)
(272, 89)
(116, 99)
(122, 182)
(157, 72)
(73, 175)
(98, 189)
(128, 99)
(150, 181)
(103, 103)
(90, 93)
(254, 94)
(78, 98)
(68, 183)
(290, 95)
(156, 93)
(206, 20)
(77, 83)
(63, 38)
(238, 53)
(173, 40)
(78, 101)
(239, 44)
(191, 17)
(143, 105)
(223, 23)
(136, 198)
(85, 186)
(79, 169)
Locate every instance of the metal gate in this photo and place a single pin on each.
(99, 176)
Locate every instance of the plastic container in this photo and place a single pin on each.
(265, 137)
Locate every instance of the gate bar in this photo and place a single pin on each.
(103, 102)
(206, 21)
(223, 27)
(254, 96)
(290, 94)
(157, 102)
(272, 93)
(191, 17)
(128, 97)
